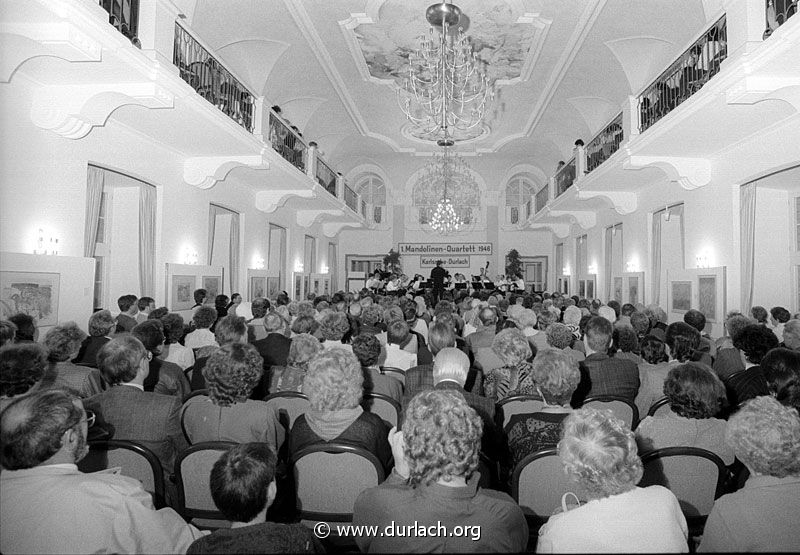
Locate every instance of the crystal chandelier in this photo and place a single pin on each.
(447, 89)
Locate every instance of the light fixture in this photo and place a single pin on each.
(565, 271)
(190, 256)
(46, 246)
(592, 270)
(447, 89)
(258, 262)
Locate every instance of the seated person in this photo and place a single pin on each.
(8, 331)
(173, 351)
(696, 395)
(303, 349)
(334, 326)
(791, 335)
(334, 385)
(101, 328)
(556, 375)
(227, 413)
(63, 342)
(243, 487)
(559, 336)
(164, 377)
(753, 342)
(126, 319)
(600, 457)
(202, 336)
(397, 334)
(653, 372)
(781, 369)
(515, 377)
(762, 516)
(22, 369)
(367, 349)
(441, 335)
(49, 506)
(231, 329)
(435, 480)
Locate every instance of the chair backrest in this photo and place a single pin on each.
(518, 404)
(193, 478)
(330, 476)
(659, 408)
(397, 373)
(382, 405)
(195, 393)
(696, 476)
(288, 405)
(135, 461)
(539, 482)
(622, 408)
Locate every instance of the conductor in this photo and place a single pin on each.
(438, 274)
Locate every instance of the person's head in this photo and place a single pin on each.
(442, 436)
(450, 364)
(236, 299)
(598, 334)
(200, 296)
(736, 322)
(755, 341)
(441, 335)
(608, 313)
(371, 315)
(243, 481)
(146, 304)
(221, 303)
(791, 334)
(64, 341)
(259, 307)
(21, 367)
(123, 360)
(273, 322)
(556, 374)
(101, 323)
(760, 314)
(656, 314)
(781, 368)
(392, 314)
(231, 329)
(334, 325)
(599, 453)
(397, 332)
(511, 346)
(305, 324)
(334, 381)
(8, 330)
(231, 373)
(559, 336)
(627, 309)
(26, 327)
(696, 319)
(367, 349)
(694, 391)
(572, 316)
(640, 323)
(625, 339)
(158, 313)
(204, 317)
(779, 315)
(37, 427)
(151, 334)
(652, 350)
(526, 318)
(127, 304)
(487, 316)
(765, 436)
(173, 327)
(682, 340)
(303, 348)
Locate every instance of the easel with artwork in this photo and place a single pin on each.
(184, 279)
(262, 283)
(703, 289)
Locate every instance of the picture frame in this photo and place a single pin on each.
(681, 298)
(258, 287)
(707, 297)
(273, 287)
(182, 292)
(33, 293)
(212, 285)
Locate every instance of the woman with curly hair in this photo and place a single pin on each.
(63, 343)
(333, 327)
(653, 372)
(334, 385)
(754, 342)
(696, 395)
(599, 455)
(762, 516)
(22, 369)
(515, 377)
(434, 480)
(101, 327)
(559, 336)
(204, 317)
(303, 348)
(173, 351)
(781, 369)
(226, 413)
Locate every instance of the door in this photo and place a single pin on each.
(535, 273)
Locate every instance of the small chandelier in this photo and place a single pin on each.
(447, 89)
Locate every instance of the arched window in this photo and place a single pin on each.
(519, 198)
(373, 191)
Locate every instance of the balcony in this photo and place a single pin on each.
(124, 16)
(541, 199)
(564, 178)
(778, 12)
(350, 198)
(604, 144)
(326, 176)
(287, 142)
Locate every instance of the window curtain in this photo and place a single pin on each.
(656, 252)
(678, 211)
(147, 239)
(213, 210)
(609, 260)
(94, 196)
(748, 238)
(234, 249)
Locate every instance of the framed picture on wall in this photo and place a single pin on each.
(617, 294)
(298, 287)
(258, 287)
(707, 297)
(213, 285)
(273, 287)
(681, 296)
(181, 292)
(306, 285)
(31, 293)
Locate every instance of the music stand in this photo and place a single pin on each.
(477, 285)
(461, 285)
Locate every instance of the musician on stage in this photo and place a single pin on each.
(438, 275)
(375, 282)
(518, 283)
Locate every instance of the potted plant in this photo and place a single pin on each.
(391, 262)
(513, 263)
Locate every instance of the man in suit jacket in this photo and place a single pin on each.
(130, 412)
(601, 374)
(274, 348)
(485, 334)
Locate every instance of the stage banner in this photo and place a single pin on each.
(447, 261)
(444, 249)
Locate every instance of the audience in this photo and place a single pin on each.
(653, 372)
(63, 343)
(202, 336)
(515, 376)
(22, 370)
(8, 330)
(397, 335)
(273, 348)
(303, 349)
(101, 328)
(781, 368)
(231, 329)
(146, 305)
(367, 350)
(255, 328)
(164, 377)
(126, 319)
(27, 332)
(173, 351)
(753, 341)
(791, 334)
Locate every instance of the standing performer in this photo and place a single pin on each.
(437, 277)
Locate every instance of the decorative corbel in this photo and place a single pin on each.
(307, 218)
(584, 218)
(560, 230)
(689, 173)
(624, 202)
(269, 201)
(204, 171)
(332, 229)
(751, 89)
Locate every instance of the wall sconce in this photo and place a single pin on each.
(298, 266)
(190, 256)
(46, 243)
(323, 269)
(632, 266)
(565, 271)
(258, 262)
(592, 270)
(702, 260)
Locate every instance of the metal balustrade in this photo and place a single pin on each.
(350, 198)
(778, 12)
(685, 76)
(541, 199)
(604, 144)
(565, 177)
(124, 16)
(206, 75)
(364, 209)
(326, 176)
(287, 143)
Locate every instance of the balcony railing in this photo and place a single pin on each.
(528, 209)
(326, 177)
(541, 199)
(124, 16)
(350, 198)
(604, 144)
(206, 75)
(565, 178)
(364, 209)
(777, 14)
(685, 76)
(287, 143)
